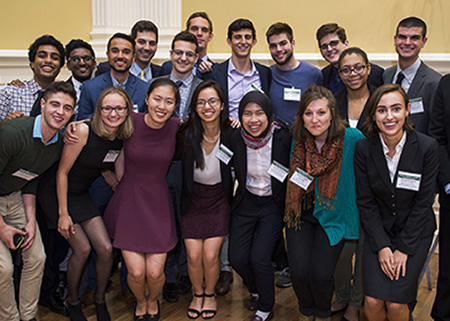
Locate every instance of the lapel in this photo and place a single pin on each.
(388, 75)
(379, 159)
(418, 81)
(409, 154)
(326, 75)
(278, 147)
(130, 87)
(222, 75)
(194, 84)
(241, 149)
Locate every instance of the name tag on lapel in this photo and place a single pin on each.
(408, 181)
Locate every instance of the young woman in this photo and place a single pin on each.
(139, 217)
(354, 69)
(396, 170)
(261, 151)
(206, 192)
(320, 203)
(79, 220)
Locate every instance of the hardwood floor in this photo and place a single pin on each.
(231, 306)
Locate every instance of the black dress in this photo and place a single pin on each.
(86, 169)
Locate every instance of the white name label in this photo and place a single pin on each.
(301, 178)
(416, 105)
(292, 94)
(111, 156)
(278, 171)
(409, 181)
(224, 154)
(24, 174)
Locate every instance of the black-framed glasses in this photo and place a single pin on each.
(333, 44)
(77, 59)
(346, 71)
(119, 110)
(213, 102)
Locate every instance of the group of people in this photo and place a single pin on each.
(194, 168)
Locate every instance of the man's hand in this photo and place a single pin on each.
(70, 136)
(31, 232)
(205, 66)
(16, 83)
(15, 114)
(7, 235)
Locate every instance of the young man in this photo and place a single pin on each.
(145, 35)
(333, 41)
(417, 79)
(290, 77)
(240, 74)
(29, 147)
(121, 52)
(46, 56)
(200, 26)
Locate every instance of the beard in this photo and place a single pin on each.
(285, 61)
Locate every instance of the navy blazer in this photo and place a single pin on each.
(220, 74)
(105, 67)
(395, 217)
(135, 88)
(281, 150)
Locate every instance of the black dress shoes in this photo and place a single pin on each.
(223, 284)
(54, 303)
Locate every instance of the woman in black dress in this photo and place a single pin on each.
(396, 170)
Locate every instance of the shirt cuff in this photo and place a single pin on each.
(447, 188)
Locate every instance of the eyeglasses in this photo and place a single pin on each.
(359, 69)
(119, 110)
(179, 53)
(333, 44)
(77, 59)
(213, 102)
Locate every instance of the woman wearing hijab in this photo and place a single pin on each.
(261, 160)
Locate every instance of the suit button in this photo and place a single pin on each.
(392, 195)
(393, 214)
(393, 205)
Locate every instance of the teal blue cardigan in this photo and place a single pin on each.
(343, 221)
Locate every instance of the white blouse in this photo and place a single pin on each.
(258, 164)
(210, 175)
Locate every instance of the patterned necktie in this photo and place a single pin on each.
(197, 72)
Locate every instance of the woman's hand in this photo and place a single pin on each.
(235, 123)
(65, 226)
(110, 179)
(400, 259)
(386, 259)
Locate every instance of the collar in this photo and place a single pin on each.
(116, 83)
(135, 70)
(187, 81)
(409, 72)
(37, 133)
(398, 148)
(76, 84)
(232, 69)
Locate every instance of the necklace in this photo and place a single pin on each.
(211, 141)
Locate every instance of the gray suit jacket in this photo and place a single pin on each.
(195, 83)
(423, 86)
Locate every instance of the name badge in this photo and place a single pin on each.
(24, 174)
(409, 181)
(416, 105)
(224, 154)
(292, 94)
(253, 87)
(111, 156)
(278, 171)
(135, 108)
(301, 178)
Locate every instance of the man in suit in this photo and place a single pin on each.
(332, 40)
(46, 56)
(121, 52)
(145, 35)
(240, 74)
(417, 79)
(200, 26)
(440, 130)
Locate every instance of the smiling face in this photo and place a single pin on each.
(46, 64)
(241, 43)
(408, 42)
(317, 118)
(83, 69)
(254, 119)
(146, 46)
(209, 106)
(183, 58)
(57, 110)
(390, 116)
(354, 81)
(331, 48)
(200, 28)
(120, 55)
(161, 104)
(281, 48)
(114, 111)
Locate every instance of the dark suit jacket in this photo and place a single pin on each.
(281, 149)
(375, 78)
(341, 98)
(105, 67)
(423, 85)
(395, 217)
(220, 74)
(166, 67)
(187, 165)
(135, 88)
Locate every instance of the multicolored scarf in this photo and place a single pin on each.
(257, 143)
(324, 166)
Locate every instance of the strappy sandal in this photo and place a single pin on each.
(196, 312)
(213, 312)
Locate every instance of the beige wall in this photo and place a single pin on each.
(370, 24)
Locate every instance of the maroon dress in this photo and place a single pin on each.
(140, 217)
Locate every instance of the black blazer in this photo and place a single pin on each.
(394, 217)
(341, 99)
(375, 78)
(220, 74)
(104, 67)
(281, 149)
(187, 168)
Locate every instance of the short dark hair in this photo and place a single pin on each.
(46, 40)
(78, 43)
(411, 22)
(61, 87)
(280, 27)
(337, 125)
(353, 50)
(122, 36)
(199, 14)
(158, 82)
(370, 127)
(240, 24)
(144, 25)
(328, 28)
(185, 36)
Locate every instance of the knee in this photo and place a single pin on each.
(154, 276)
(6, 271)
(194, 259)
(260, 261)
(136, 275)
(105, 251)
(82, 252)
(210, 259)
(396, 308)
(373, 304)
(238, 258)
